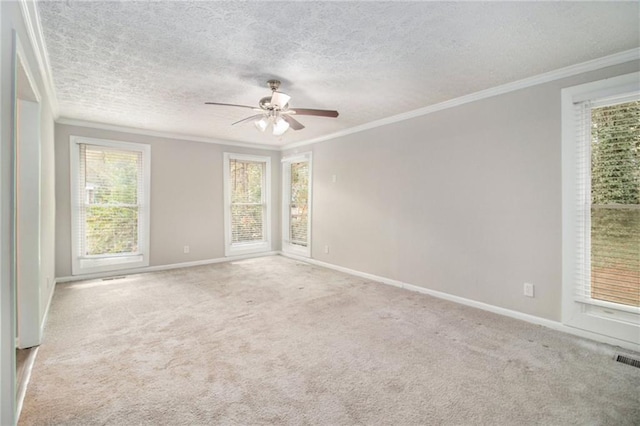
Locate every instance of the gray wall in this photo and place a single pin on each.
(465, 201)
(186, 196)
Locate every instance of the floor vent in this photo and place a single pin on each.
(630, 361)
(113, 278)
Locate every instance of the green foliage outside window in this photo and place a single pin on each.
(111, 201)
(299, 203)
(247, 210)
(615, 198)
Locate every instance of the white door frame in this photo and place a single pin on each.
(24, 140)
(28, 203)
(8, 309)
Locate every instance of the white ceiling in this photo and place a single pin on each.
(152, 65)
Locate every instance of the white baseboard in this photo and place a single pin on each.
(555, 325)
(161, 267)
(43, 320)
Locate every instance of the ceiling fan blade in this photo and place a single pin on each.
(279, 99)
(293, 123)
(244, 120)
(233, 105)
(317, 112)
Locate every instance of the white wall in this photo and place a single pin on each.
(47, 209)
(465, 201)
(186, 196)
(11, 20)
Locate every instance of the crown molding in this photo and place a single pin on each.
(36, 37)
(160, 134)
(593, 65)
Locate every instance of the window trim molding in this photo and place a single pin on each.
(118, 262)
(240, 249)
(286, 189)
(592, 318)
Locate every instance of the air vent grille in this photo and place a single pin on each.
(113, 278)
(629, 361)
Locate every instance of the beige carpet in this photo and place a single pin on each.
(21, 361)
(275, 341)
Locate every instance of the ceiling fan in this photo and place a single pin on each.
(275, 111)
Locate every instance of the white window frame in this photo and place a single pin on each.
(244, 248)
(81, 266)
(287, 247)
(602, 318)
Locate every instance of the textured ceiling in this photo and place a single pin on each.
(152, 65)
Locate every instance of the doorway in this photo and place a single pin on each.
(27, 204)
(26, 224)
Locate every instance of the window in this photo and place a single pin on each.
(615, 201)
(601, 204)
(109, 205)
(247, 204)
(296, 207)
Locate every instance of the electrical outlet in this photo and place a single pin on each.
(528, 290)
(186, 249)
(334, 178)
(326, 249)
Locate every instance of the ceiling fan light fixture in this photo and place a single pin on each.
(274, 111)
(280, 126)
(262, 124)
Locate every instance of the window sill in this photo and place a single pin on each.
(247, 248)
(296, 249)
(104, 264)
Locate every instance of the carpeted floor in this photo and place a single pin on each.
(275, 341)
(21, 361)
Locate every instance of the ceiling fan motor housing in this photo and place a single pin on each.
(265, 103)
(278, 101)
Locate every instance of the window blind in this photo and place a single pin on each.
(247, 204)
(299, 204)
(110, 193)
(609, 202)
